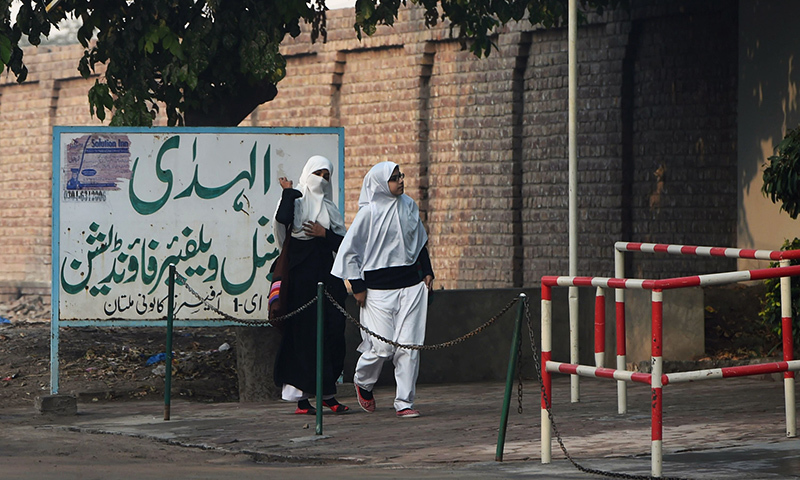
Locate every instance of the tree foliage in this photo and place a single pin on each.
(211, 62)
(782, 174)
(475, 22)
(782, 186)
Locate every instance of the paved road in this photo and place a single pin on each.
(719, 429)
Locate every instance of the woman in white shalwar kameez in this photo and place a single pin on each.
(385, 259)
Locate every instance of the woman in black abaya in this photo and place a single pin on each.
(317, 230)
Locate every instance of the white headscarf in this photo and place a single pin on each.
(316, 204)
(387, 231)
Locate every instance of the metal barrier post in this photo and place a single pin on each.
(788, 353)
(619, 297)
(320, 344)
(657, 362)
(600, 328)
(168, 359)
(574, 338)
(547, 390)
(512, 367)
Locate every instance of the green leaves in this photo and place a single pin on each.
(185, 55)
(365, 17)
(475, 23)
(10, 53)
(782, 174)
(100, 99)
(371, 13)
(217, 60)
(5, 49)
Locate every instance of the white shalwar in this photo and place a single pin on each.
(398, 315)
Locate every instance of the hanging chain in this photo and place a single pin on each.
(181, 280)
(557, 434)
(421, 347)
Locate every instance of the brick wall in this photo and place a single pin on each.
(684, 133)
(49, 97)
(471, 170)
(483, 142)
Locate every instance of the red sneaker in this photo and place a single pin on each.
(407, 413)
(366, 405)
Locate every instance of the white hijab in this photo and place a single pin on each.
(387, 230)
(316, 204)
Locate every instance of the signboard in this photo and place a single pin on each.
(128, 202)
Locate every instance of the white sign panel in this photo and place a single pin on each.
(129, 202)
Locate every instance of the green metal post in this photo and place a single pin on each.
(168, 359)
(512, 367)
(320, 343)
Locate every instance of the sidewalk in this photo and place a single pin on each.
(733, 428)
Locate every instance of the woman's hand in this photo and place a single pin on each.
(314, 229)
(428, 282)
(285, 182)
(361, 298)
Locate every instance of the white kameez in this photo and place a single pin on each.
(314, 205)
(398, 315)
(387, 231)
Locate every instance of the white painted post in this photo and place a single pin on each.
(574, 357)
(619, 297)
(788, 346)
(572, 37)
(547, 348)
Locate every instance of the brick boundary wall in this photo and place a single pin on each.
(483, 142)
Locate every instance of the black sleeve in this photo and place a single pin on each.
(333, 239)
(358, 285)
(285, 213)
(425, 262)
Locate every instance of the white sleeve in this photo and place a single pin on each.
(349, 259)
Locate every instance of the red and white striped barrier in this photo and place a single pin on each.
(730, 372)
(773, 255)
(656, 379)
(671, 283)
(679, 377)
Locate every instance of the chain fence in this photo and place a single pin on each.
(181, 280)
(437, 346)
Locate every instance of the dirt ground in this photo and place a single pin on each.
(104, 364)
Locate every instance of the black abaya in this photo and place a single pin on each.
(310, 262)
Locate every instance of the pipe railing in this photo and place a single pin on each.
(656, 379)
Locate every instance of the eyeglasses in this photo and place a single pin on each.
(397, 178)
